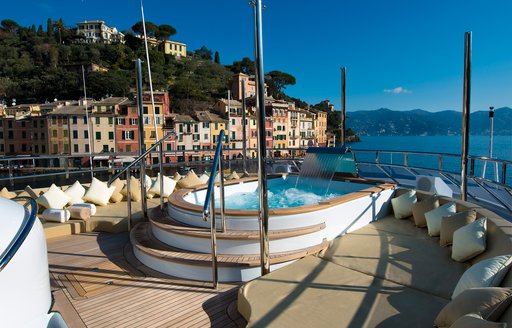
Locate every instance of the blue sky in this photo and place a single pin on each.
(399, 54)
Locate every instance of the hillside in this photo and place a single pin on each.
(418, 122)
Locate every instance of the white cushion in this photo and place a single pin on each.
(486, 273)
(402, 205)
(169, 185)
(99, 193)
(469, 240)
(53, 198)
(56, 215)
(204, 178)
(75, 192)
(90, 206)
(435, 217)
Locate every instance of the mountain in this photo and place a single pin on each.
(387, 122)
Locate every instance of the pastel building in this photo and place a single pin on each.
(127, 127)
(96, 31)
(103, 124)
(320, 125)
(236, 88)
(175, 48)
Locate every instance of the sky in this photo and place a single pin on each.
(400, 55)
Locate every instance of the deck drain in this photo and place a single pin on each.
(95, 269)
(109, 283)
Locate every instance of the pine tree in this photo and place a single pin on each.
(33, 29)
(217, 57)
(40, 30)
(49, 27)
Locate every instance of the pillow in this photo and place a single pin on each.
(190, 181)
(453, 222)
(91, 207)
(55, 215)
(53, 198)
(402, 205)
(489, 302)
(116, 195)
(7, 194)
(80, 212)
(204, 178)
(135, 192)
(177, 177)
(474, 320)
(435, 216)
(147, 182)
(469, 241)
(75, 192)
(486, 273)
(31, 192)
(99, 193)
(233, 176)
(420, 208)
(169, 185)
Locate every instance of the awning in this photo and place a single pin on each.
(100, 158)
(123, 159)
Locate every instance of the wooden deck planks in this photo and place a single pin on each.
(137, 300)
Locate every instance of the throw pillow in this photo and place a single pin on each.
(402, 205)
(204, 178)
(190, 181)
(177, 177)
(435, 216)
(420, 208)
(453, 222)
(135, 192)
(53, 198)
(475, 320)
(233, 176)
(486, 273)
(116, 195)
(169, 185)
(469, 241)
(75, 192)
(489, 302)
(7, 194)
(99, 193)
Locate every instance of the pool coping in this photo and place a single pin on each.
(177, 198)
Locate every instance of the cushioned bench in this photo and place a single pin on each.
(387, 274)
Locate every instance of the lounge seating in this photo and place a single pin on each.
(387, 274)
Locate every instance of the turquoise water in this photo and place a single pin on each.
(287, 193)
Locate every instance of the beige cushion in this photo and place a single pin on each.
(75, 192)
(435, 216)
(135, 192)
(233, 176)
(453, 222)
(489, 302)
(79, 212)
(169, 185)
(177, 177)
(402, 205)
(91, 207)
(55, 215)
(469, 241)
(420, 208)
(6, 193)
(474, 320)
(53, 198)
(99, 193)
(486, 273)
(116, 195)
(204, 178)
(190, 181)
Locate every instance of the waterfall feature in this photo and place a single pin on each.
(320, 164)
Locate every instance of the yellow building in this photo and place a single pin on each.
(177, 49)
(149, 126)
(216, 125)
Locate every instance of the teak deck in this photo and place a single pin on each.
(97, 282)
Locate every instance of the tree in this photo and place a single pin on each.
(277, 82)
(151, 29)
(165, 31)
(246, 66)
(217, 57)
(49, 27)
(59, 25)
(33, 29)
(40, 30)
(8, 25)
(204, 53)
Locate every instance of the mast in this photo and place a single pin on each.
(88, 123)
(466, 107)
(343, 104)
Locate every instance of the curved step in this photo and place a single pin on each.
(197, 266)
(197, 239)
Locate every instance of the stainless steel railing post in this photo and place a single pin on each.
(213, 229)
(11, 175)
(221, 193)
(504, 173)
(406, 159)
(129, 199)
(161, 164)
(466, 107)
(440, 162)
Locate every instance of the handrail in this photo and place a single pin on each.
(21, 235)
(210, 198)
(138, 159)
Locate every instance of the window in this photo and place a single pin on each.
(75, 148)
(216, 126)
(206, 136)
(110, 120)
(105, 148)
(169, 147)
(87, 148)
(152, 134)
(36, 149)
(65, 133)
(54, 133)
(86, 134)
(232, 121)
(206, 125)
(98, 135)
(23, 147)
(145, 109)
(180, 126)
(23, 134)
(147, 120)
(11, 148)
(128, 148)
(196, 128)
(195, 137)
(66, 148)
(128, 135)
(10, 135)
(133, 121)
(157, 110)
(158, 120)
(85, 119)
(9, 124)
(75, 134)
(121, 121)
(111, 136)
(188, 127)
(43, 149)
(97, 120)
(74, 119)
(55, 148)
(134, 110)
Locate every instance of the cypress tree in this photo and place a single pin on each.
(33, 29)
(217, 57)
(49, 27)
(40, 30)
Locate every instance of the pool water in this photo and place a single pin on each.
(285, 193)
